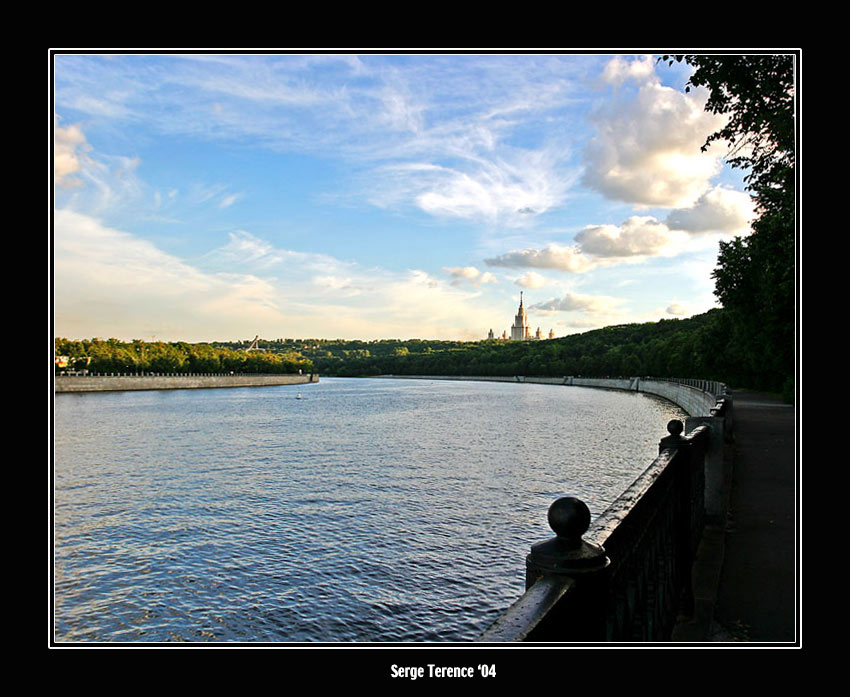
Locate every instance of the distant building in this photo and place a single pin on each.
(519, 330)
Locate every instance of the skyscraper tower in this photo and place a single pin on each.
(519, 330)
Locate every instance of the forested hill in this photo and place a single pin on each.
(698, 347)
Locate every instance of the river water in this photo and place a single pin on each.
(365, 511)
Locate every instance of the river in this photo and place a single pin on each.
(344, 511)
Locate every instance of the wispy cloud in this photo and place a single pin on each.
(469, 138)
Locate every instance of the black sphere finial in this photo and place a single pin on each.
(675, 427)
(569, 517)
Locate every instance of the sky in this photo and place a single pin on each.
(203, 197)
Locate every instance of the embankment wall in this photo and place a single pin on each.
(696, 401)
(116, 383)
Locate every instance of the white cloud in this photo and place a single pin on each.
(639, 236)
(577, 302)
(459, 274)
(531, 279)
(229, 200)
(678, 308)
(554, 256)
(509, 189)
(400, 110)
(69, 144)
(245, 249)
(719, 210)
(647, 148)
(635, 239)
(620, 69)
(462, 272)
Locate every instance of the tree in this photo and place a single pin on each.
(755, 275)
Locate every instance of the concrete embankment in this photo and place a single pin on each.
(694, 400)
(120, 383)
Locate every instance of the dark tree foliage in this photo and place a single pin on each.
(757, 93)
(112, 355)
(691, 348)
(755, 275)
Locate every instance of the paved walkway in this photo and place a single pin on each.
(746, 576)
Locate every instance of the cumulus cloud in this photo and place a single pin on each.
(531, 279)
(600, 245)
(462, 272)
(69, 144)
(677, 308)
(637, 236)
(576, 302)
(620, 69)
(555, 256)
(647, 148)
(719, 210)
(459, 274)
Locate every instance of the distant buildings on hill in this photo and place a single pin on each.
(520, 330)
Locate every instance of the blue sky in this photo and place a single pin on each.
(206, 197)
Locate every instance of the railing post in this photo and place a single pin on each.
(675, 439)
(689, 472)
(568, 555)
(714, 496)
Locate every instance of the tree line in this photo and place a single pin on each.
(698, 347)
(115, 356)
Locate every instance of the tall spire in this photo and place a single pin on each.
(519, 330)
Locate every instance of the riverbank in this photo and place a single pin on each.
(120, 383)
(696, 397)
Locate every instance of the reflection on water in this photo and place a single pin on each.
(367, 511)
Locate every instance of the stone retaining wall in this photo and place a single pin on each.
(108, 383)
(695, 401)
